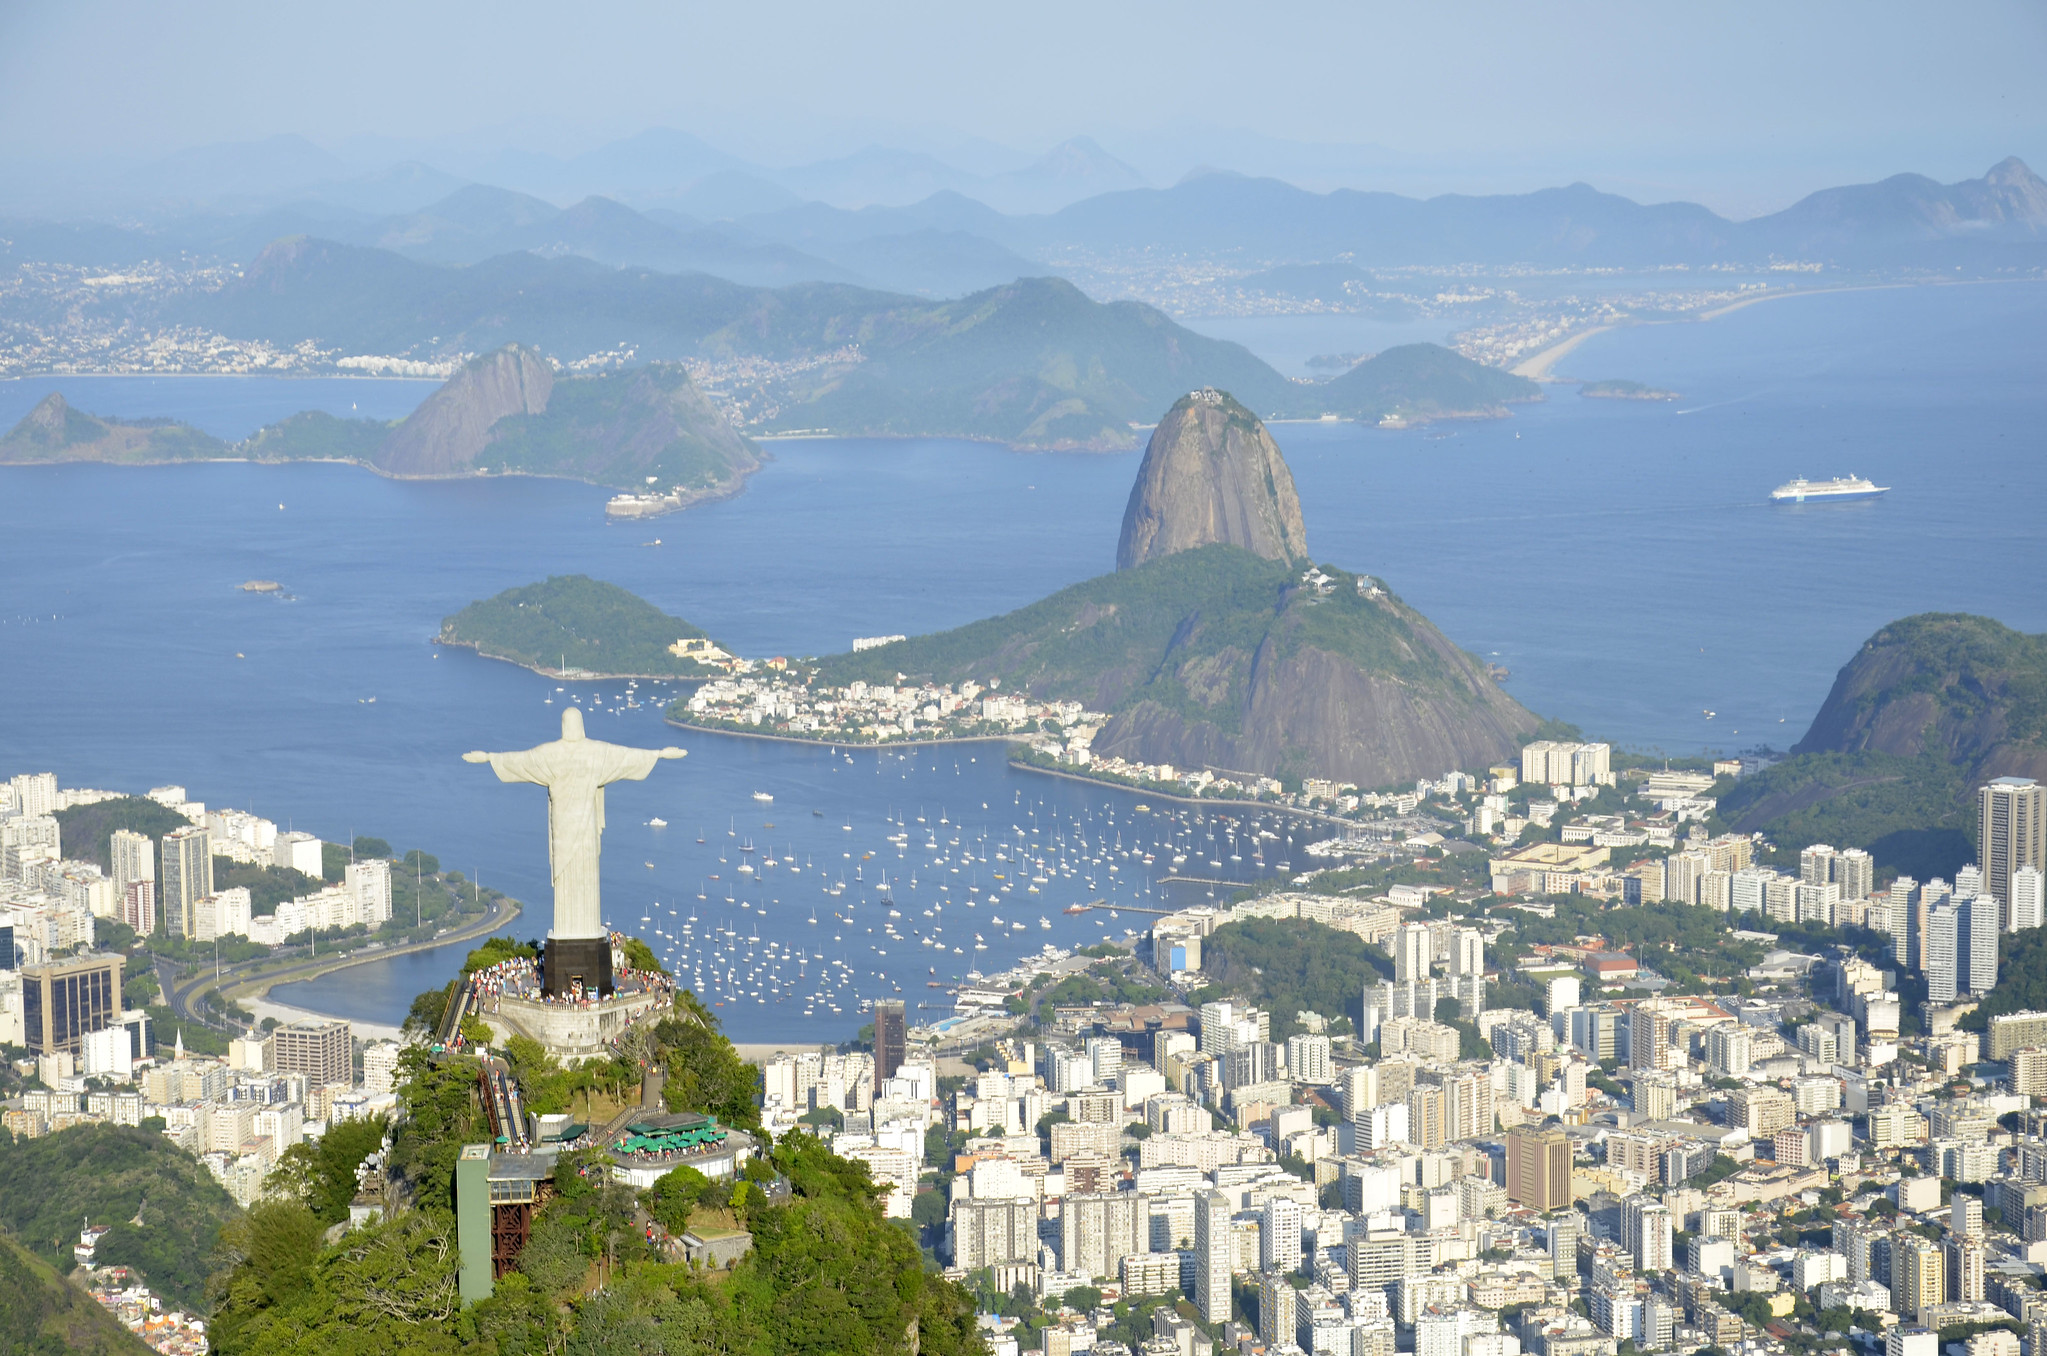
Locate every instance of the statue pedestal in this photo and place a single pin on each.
(572, 1032)
(568, 960)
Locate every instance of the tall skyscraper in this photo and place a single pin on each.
(2011, 831)
(1275, 1309)
(133, 858)
(1648, 1222)
(1467, 952)
(1213, 1243)
(1918, 1275)
(1563, 1233)
(1414, 952)
(1538, 1168)
(1908, 922)
(1097, 1231)
(891, 1038)
(1943, 953)
(1218, 1029)
(1649, 1035)
(187, 877)
(1981, 918)
(1855, 873)
(1279, 1237)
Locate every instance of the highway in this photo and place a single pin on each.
(182, 990)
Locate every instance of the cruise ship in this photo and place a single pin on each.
(1801, 490)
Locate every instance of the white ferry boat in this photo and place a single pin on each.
(763, 797)
(1802, 491)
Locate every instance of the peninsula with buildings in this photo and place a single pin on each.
(1217, 642)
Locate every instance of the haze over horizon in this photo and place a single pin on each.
(1766, 106)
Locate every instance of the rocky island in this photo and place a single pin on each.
(53, 431)
(1418, 383)
(1624, 390)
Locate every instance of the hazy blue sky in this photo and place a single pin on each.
(1659, 95)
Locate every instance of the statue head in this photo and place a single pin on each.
(572, 724)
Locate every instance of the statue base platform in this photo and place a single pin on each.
(568, 961)
(571, 1031)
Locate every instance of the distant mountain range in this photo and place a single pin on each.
(731, 223)
(1033, 363)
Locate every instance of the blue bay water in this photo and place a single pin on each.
(1619, 558)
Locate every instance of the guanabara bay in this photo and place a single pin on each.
(1023, 680)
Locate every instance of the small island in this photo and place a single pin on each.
(573, 626)
(1624, 390)
(1419, 383)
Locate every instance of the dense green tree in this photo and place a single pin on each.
(704, 1072)
(322, 1174)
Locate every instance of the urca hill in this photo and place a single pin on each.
(1219, 644)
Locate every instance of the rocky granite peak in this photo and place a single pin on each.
(447, 432)
(1212, 474)
(46, 422)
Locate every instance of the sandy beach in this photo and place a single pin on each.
(284, 1012)
(1539, 366)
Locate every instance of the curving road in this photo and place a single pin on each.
(183, 988)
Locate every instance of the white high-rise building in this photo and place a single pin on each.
(299, 851)
(225, 914)
(1855, 873)
(1218, 1029)
(1105, 1057)
(133, 857)
(1414, 953)
(1214, 1246)
(370, 882)
(2027, 907)
(35, 794)
(1467, 952)
(1279, 1236)
(1943, 953)
(1981, 920)
(1308, 1059)
(1097, 1231)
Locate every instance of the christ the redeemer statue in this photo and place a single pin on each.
(575, 770)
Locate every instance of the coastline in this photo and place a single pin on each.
(1204, 802)
(1539, 365)
(560, 676)
(254, 993)
(838, 743)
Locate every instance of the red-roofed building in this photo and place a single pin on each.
(1610, 967)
